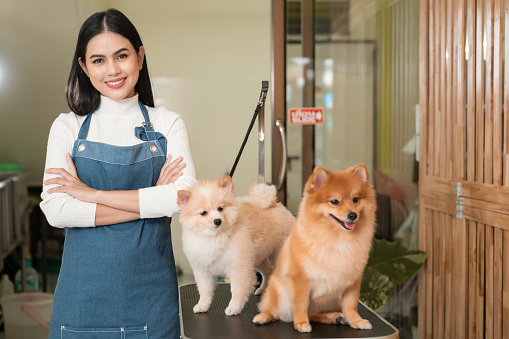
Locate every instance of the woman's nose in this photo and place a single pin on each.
(113, 68)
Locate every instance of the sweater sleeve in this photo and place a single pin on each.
(61, 209)
(160, 201)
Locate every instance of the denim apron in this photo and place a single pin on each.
(118, 281)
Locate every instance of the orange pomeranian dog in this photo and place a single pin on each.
(319, 269)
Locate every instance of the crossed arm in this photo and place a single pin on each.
(112, 206)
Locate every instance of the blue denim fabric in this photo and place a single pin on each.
(119, 280)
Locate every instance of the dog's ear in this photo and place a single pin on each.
(226, 183)
(320, 177)
(362, 172)
(183, 197)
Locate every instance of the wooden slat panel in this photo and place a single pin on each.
(497, 194)
(423, 86)
(486, 205)
(472, 278)
(423, 160)
(437, 185)
(451, 311)
(438, 89)
(448, 106)
(429, 274)
(479, 90)
(506, 100)
(442, 127)
(460, 277)
(458, 155)
(437, 204)
(471, 92)
(497, 93)
(488, 100)
(440, 237)
(488, 324)
(422, 305)
(430, 128)
(479, 297)
(437, 277)
(492, 218)
(497, 282)
(505, 287)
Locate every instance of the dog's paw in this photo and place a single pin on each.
(341, 320)
(233, 310)
(200, 308)
(362, 324)
(263, 318)
(302, 327)
(337, 317)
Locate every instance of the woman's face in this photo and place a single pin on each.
(113, 65)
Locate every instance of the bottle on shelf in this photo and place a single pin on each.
(6, 286)
(31, 279)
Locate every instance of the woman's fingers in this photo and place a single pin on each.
(59, 171)
(169, 165)
(55, 181)
(171, 171)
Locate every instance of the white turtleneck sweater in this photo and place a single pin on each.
(113, 123)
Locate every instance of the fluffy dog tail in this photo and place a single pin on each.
(261, 195)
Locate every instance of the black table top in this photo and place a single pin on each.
(216, 324)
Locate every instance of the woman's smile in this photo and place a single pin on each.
(116, 83)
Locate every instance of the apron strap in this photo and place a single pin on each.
(85, 126)
(147, 127)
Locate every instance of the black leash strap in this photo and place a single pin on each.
(259, 105)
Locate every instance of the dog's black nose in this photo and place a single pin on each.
(352, 216)
(217, 222)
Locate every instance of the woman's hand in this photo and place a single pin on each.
(70, 183)
(170, 171)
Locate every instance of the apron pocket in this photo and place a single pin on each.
(133, 332)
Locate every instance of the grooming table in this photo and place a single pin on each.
(216, 325)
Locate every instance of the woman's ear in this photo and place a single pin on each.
(141, 56)
(83, 66)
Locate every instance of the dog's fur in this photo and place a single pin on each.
(319, 269)
(224, 235)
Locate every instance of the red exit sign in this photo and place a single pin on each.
(306, 116)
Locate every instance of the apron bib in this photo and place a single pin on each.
(118, 281)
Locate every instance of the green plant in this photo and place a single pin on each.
(389, 264)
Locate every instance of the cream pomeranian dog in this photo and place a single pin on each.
(223, 235)
(319, 269)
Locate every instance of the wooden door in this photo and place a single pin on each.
(464, 169)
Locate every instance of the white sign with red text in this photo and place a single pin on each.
(306, 116)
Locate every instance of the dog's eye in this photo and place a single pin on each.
(220, 209)
(355, 200)
(204, 213)
(335, 202)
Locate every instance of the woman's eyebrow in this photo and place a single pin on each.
(102, 56)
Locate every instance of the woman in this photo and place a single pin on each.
(111, 182)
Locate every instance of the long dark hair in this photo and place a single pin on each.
(82, 97)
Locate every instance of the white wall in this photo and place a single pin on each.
(206, 59)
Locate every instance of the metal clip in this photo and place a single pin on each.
(459, 201)
(147, 123)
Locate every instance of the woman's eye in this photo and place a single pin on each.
(335, 202)
(96, 61)
(355, 200)
(220, 209)
(122, 56)
(204, 213)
